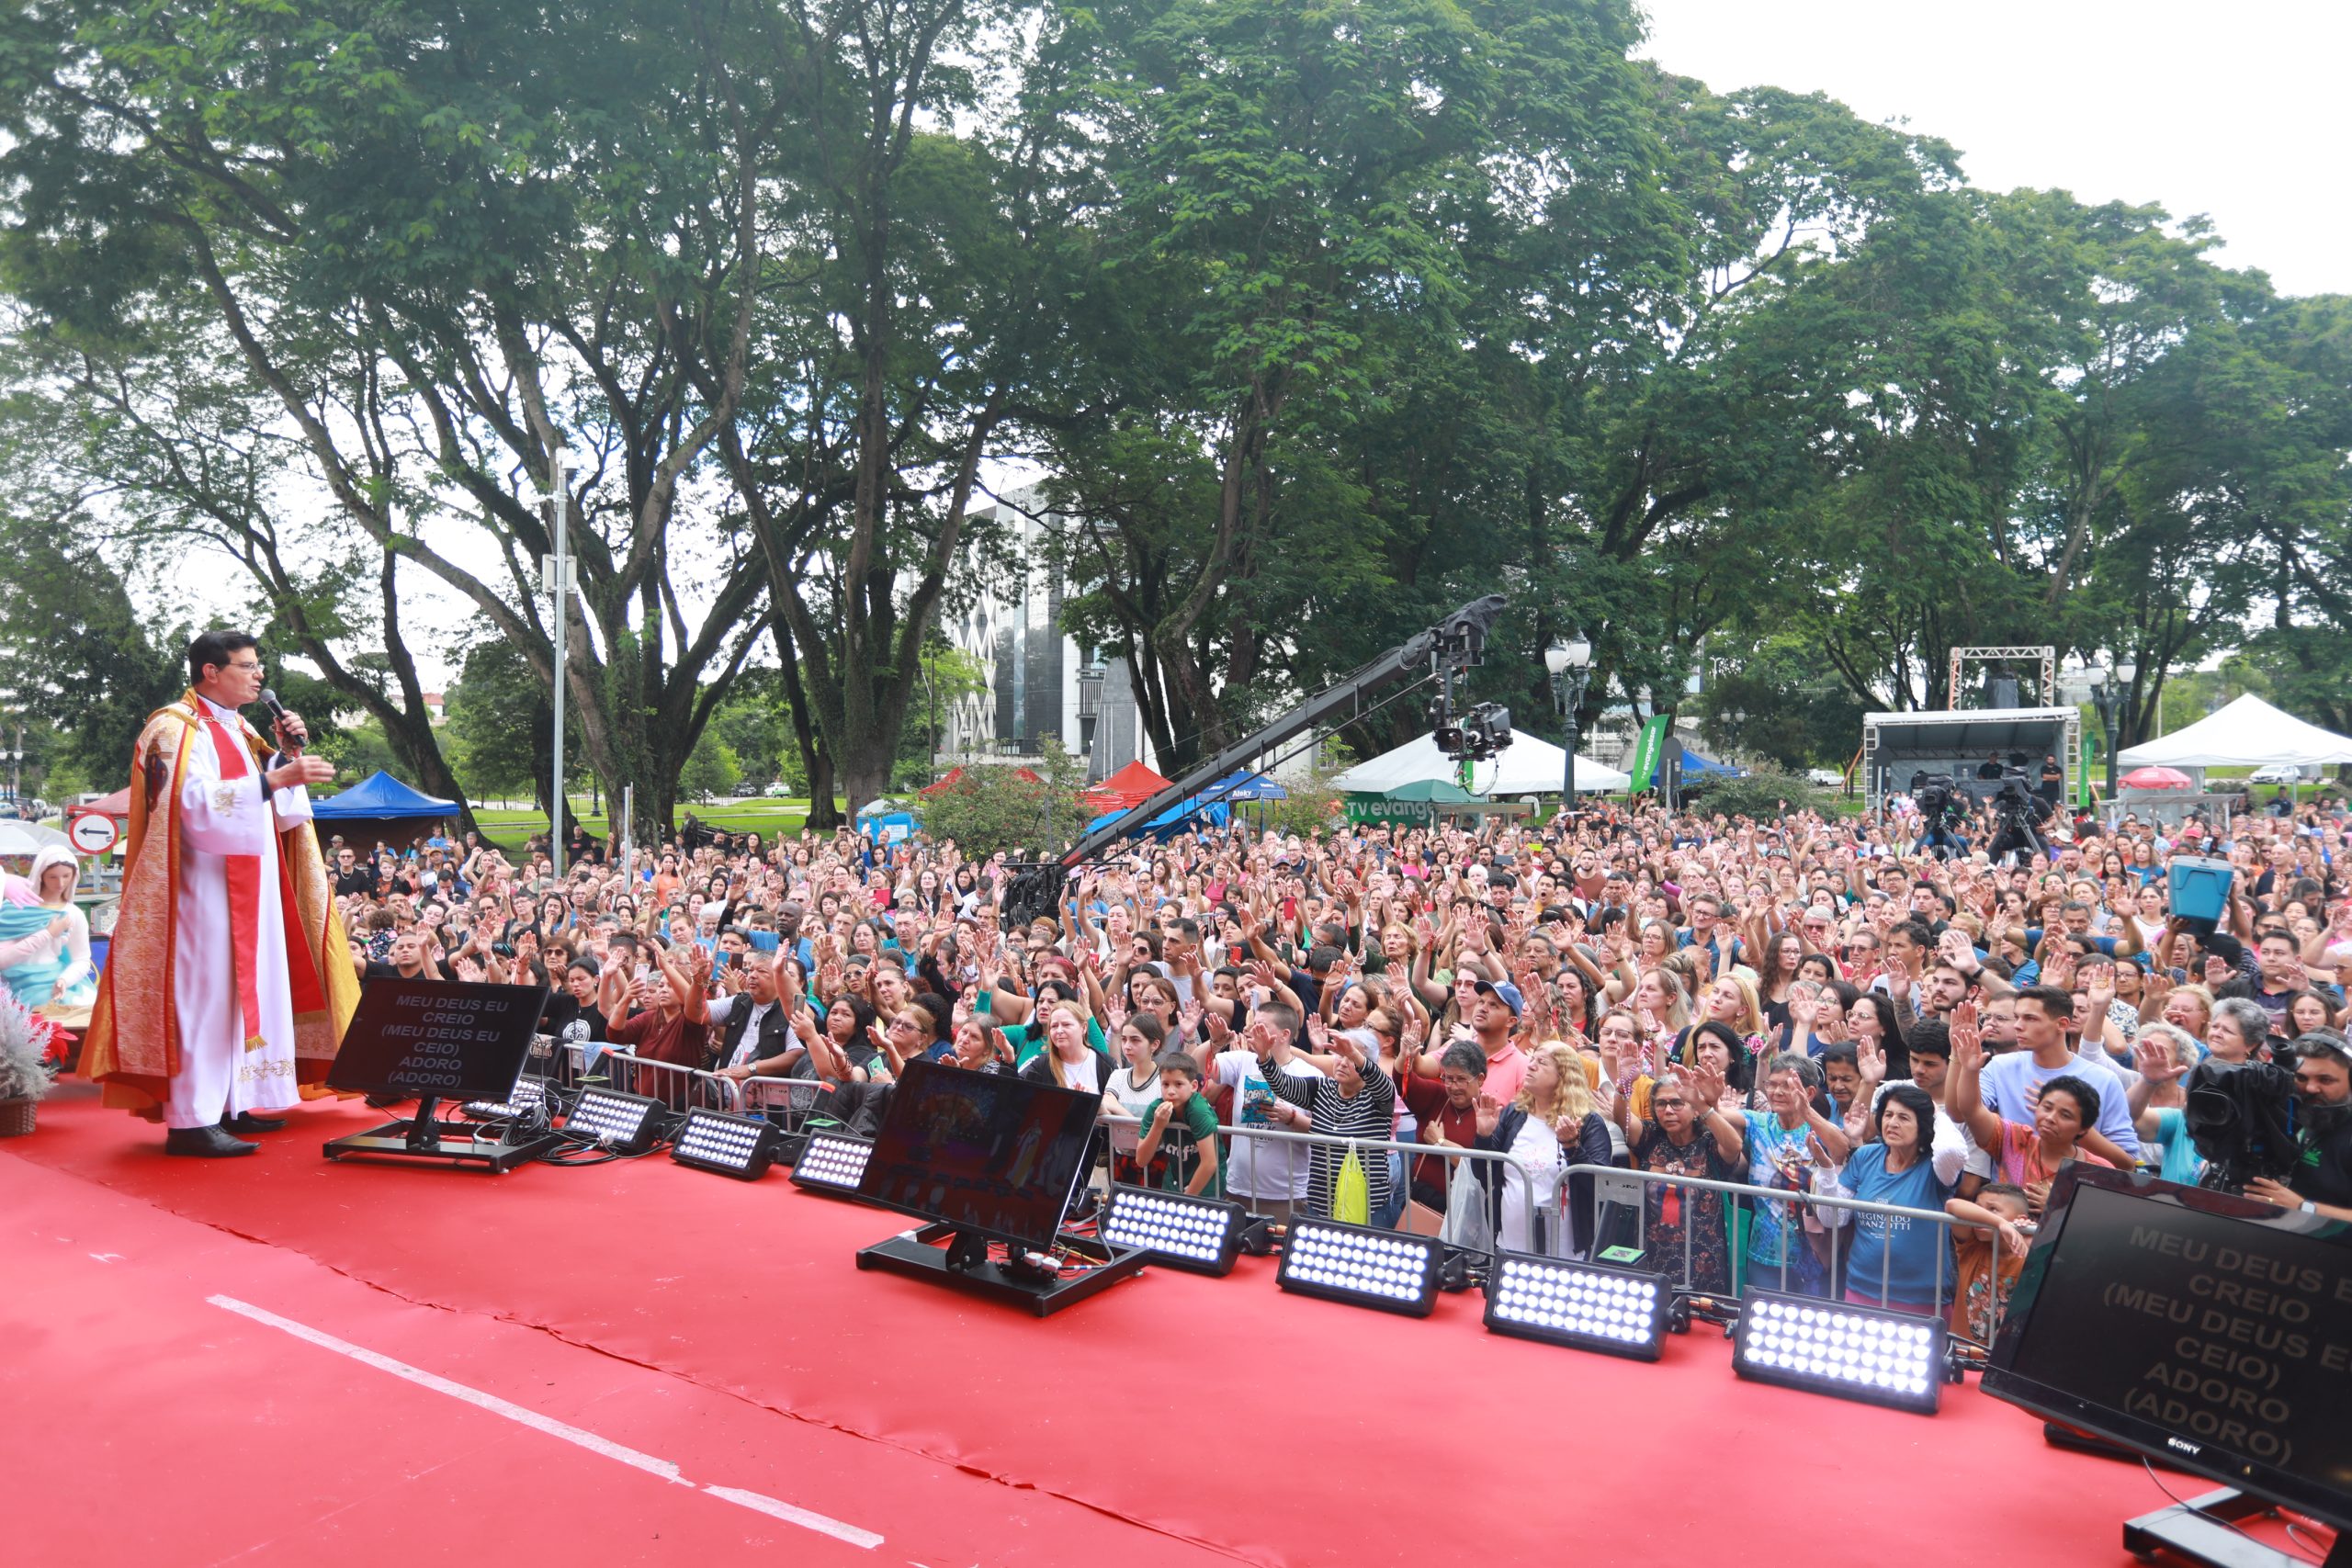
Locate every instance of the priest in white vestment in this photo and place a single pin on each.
(225, 902)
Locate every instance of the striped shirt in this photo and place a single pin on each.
(1369, 1114)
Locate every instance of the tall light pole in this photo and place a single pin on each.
(2107, 695)
(558, 571)
(1570, 663)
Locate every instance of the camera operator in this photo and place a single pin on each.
(2322, 1183)
(2021, 814)
(1937, 796)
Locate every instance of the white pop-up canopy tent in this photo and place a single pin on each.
(1527, 766)
(2248, 733)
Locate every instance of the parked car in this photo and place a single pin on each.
(2285, 773)
(1827, 778)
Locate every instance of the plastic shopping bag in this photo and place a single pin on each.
(1352, 1195)
(1467, 1225)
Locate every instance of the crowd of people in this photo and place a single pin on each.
(1807, 1005)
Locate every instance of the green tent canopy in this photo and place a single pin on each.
(1417, 801)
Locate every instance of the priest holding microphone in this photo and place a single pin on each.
(229, 983)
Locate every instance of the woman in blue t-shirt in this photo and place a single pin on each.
(1894, 1263)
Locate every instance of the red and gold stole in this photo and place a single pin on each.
(244, 889)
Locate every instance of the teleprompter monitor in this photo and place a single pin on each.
(990, 1154)
(2209, 1330)
(445, 1039)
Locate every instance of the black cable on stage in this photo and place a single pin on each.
(2215, 1519)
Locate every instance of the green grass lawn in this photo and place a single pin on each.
(511, 828)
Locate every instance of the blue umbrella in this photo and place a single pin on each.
(1243, 785)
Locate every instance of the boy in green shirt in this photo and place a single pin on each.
(1183, 1117)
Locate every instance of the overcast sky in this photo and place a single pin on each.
(2236, 111)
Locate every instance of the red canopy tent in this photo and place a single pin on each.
(117, 805)
(1131, 785)
(947, 780)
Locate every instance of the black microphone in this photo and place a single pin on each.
(276, 719)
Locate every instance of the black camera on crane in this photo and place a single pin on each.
(1483, 731)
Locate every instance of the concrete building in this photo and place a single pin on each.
(1040, 681)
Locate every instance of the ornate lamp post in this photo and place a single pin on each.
(1570, 663)
(2106, 695)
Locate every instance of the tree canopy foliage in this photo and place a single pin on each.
(1320, 319)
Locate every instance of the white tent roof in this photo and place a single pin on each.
(1527, 766)
(2248, 733)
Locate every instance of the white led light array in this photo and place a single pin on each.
(832, 1161)
(1602, 1307)
(1368, 1267)
(1176, 1228)
(619, 1119)
(529, 1098)
(1884, 1357)
(733, 1145)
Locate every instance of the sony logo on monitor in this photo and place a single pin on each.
(2185, 1448)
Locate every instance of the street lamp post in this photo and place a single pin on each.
(558, 568)
(2107, 695)
(1570, 663)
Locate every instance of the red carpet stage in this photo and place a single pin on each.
(278, 1360)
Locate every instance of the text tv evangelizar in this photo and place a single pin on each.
(2210, 1330)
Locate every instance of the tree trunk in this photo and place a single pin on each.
(822, 812)
(815, 762)
(865, 773)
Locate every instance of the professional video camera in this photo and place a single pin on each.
(1933, 793)
(1483, 731)
(2020, 813)
(2241, 1119)
(1940, 808)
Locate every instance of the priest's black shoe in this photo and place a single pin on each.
(246, 1122)
(205, 1143)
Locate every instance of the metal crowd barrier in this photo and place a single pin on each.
(1610, 1188)
(788, 1103)
(1366, 1147)
(1618, 1188)
(1614, 1188)
(677, 1088)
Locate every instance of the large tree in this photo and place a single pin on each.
(335, 288)
(75, 654)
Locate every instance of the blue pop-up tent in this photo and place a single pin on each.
(380, 794)
(1695, 766)
(1194, 811)
(379, 809)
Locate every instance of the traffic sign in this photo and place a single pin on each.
(93, 832)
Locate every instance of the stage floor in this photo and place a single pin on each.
(281, 1360)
